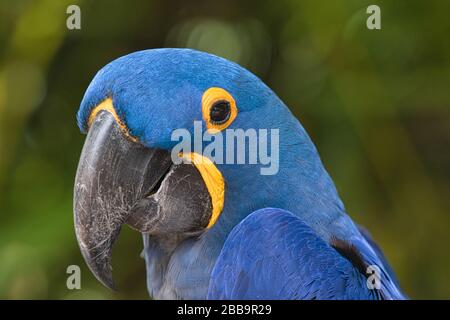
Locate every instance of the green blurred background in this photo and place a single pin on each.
(375, 102)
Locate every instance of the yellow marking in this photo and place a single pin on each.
(107, 105)
(211, 96)
(213, 180)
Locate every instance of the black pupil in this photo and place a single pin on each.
(220, 112)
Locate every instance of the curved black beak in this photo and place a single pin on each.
(120, 181)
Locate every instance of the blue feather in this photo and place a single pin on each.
(272, 254)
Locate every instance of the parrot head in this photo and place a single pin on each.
(127, 173)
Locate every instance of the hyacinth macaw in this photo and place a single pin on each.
(210, 230)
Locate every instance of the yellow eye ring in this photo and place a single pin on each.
(217, 102)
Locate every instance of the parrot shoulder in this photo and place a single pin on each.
(273, 254)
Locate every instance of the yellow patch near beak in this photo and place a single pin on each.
(213, 180)
(107, 105)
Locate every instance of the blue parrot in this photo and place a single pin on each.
(211, 229)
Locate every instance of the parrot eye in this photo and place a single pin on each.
(219, 109)
(220, 112)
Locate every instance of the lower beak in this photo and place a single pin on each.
(119, 181)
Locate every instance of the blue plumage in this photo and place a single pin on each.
(270, 253)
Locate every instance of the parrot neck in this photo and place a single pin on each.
(301, 185)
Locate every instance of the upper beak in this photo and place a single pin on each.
(119, 181)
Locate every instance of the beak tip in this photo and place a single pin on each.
(105, 277)
(101, 268)
(108, 282)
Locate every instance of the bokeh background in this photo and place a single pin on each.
(376, 103)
